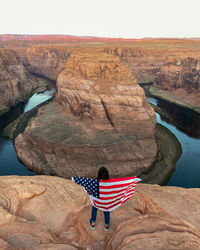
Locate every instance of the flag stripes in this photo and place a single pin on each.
(114, 192)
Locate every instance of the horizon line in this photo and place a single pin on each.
(93, 36)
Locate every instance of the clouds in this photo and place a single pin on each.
(108, 18)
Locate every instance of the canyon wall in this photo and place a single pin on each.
(143, 63)
(100, 117)
(15, 81)
(181, 78)
(174, 69)
(44, 60)
(44, 212)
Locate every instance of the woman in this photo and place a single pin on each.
(107, 194)
(102, 175)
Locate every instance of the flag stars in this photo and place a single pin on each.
(90, 185)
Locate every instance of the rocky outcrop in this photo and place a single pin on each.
(98, 87)
(15, 81)
(44, 212)
(102, 119)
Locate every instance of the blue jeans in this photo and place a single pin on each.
(106, 216)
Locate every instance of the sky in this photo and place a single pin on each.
(102, 18)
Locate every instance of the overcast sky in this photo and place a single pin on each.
(104, 18)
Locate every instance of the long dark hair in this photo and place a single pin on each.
(103, 174)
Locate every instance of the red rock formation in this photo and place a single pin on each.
(97, 86)
(44, 212)
(102, 118)
(15, 81)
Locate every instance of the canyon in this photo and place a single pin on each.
(171, 65)
(97, 90)
(100, 117)
(45, 212)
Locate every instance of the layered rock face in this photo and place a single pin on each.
(44, 60)
(182, 78)
(44, 212)
(175, 70)
(98, 87)
(102, 118)
(143, 63)
(15, 81)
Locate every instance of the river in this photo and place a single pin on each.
(9, 164)
(184, 124)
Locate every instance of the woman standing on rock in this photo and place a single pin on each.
(102, 175)
(107, 194)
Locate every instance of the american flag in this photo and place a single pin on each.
(109, 194)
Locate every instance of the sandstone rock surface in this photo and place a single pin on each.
(44, 212)
(15, 80)
(98, 87)
(102, 117)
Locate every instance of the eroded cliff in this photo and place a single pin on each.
(171, 66)
(15, 81)
(181, 78)
(46, 60)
